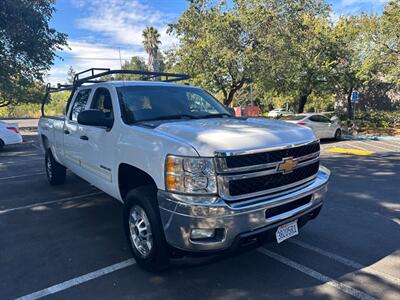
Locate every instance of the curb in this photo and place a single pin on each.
(373, 138)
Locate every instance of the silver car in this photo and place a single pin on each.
(323, 127)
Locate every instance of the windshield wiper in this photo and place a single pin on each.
(215, 116)
(171, 117)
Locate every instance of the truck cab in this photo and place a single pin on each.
(192, 177)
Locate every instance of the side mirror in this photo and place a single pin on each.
(94, 117)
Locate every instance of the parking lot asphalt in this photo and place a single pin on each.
(67, 242)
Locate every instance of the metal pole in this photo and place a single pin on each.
(251, 95)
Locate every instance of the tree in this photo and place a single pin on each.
(296, 51)
(70, 75)
(213, 48)
(384, 58)
(27, 46)
(151, 40)
(351, 35)
(136, 63)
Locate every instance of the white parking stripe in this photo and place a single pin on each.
(49, 202)
(78, 280)
(37, 147)
(371, 144)
(20, 176)
(321, 277)
(389, 145)
(347, 262)
(353, 145)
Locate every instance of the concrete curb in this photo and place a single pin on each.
(373, 138)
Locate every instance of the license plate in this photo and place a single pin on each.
(286, 231)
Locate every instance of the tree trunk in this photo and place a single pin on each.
(302, 103)
(229, 98)
(349, 105)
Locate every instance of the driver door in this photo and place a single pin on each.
(99, 144)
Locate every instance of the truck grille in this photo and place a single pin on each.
(250, 175)
(270, 157)
(252, 185)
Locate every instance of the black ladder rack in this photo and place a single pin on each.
(96, 73)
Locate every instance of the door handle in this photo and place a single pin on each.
(66, 131)
(84, 137)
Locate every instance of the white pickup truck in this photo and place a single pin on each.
(192, 177)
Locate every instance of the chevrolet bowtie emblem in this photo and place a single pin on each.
(287, 165)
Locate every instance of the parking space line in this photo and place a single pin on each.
(49, 202)
(389, 145)
(353, 145)
(316, 275)
(78, 280)
(346, 261)
(371, 144)
(20, 176)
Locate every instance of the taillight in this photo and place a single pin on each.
(15, 129)
(301, 123)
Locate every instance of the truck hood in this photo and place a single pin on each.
(229, 134)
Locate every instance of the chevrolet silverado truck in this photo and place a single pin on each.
(192, 178)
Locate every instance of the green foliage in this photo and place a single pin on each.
(151, 40)
(55, 106)
(214, 48)
(27, 47)
(378, 119)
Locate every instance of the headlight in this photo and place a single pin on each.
(192, 175)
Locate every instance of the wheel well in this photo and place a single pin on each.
(130, 177)
(45, 142)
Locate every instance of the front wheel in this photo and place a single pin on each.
(338, 134)
(144, 229)
(56, 173)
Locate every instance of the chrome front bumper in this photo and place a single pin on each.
(180, 214)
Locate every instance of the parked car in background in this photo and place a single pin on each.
(277, 112)
(9, 134)
(323, 127)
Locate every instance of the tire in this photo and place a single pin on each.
(1, 144)
(338, 134)
(56, 173)
(143, 225)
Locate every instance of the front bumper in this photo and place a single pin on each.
(180, 214)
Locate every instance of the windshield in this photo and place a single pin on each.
(145, 103)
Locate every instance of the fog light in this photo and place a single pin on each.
(198, 234)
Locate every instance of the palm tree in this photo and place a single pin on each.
(151, 40)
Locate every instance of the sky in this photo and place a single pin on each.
(101, 32)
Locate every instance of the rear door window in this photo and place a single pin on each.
(79, 104)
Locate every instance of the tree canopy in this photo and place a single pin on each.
(27, 47)
(288, 49)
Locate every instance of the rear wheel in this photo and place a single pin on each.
(56, 173)
(144, 229)
(338, 134)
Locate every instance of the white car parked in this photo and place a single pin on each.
(279, 112)
(9, 134)
(323, 127)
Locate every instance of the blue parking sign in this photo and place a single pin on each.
(355, 96)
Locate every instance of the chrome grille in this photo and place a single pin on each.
(256, 174)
